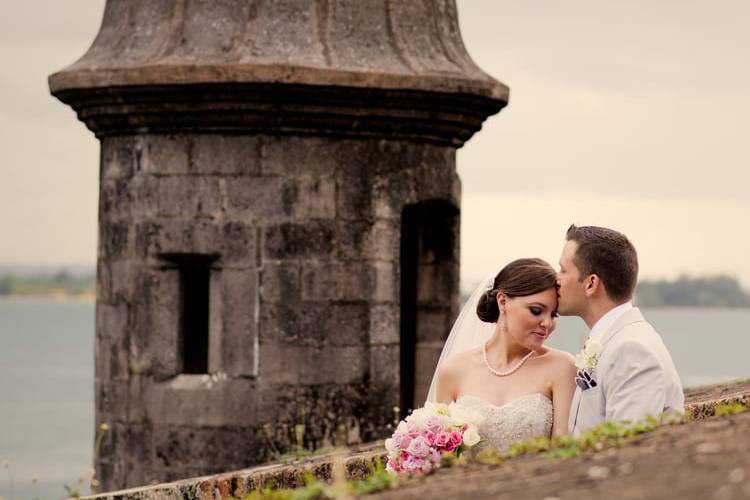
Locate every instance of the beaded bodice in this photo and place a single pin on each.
(524, 417)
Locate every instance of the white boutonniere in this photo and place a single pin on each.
(589, 355)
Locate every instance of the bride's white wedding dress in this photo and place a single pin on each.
(525, 417)
(522, 418)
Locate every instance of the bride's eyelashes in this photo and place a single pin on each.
(537, 311)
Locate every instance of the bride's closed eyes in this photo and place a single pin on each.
(538, 310)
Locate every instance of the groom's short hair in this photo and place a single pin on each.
(608, 254)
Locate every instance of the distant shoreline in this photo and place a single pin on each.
(85, 297)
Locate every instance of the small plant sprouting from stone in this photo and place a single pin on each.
(299, 438)
(299, 450)
(9, 472)
(268, 434)
(727, 409)
(378, 479)
(338, 476)
(489, 456)
(342, 435)
(313, 490)
(35, 483)
(75, 490)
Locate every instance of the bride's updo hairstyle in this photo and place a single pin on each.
(519, 278)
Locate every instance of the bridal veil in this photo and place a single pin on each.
(468, 331)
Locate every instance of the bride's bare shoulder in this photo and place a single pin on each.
(458, 362)
(558, 357)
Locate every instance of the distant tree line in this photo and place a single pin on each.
(686, 291)
(44, 284)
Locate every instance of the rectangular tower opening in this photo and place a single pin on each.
(429, 291)
(195, 293)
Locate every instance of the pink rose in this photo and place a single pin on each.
(433, 424)
(455, 441)
(393, 465)
(442, 440)
(430, 438)
(401, 441)
(419, 447)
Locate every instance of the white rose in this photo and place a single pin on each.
(470, 437)
(418, 417)
(589, 356)
(390, 446)
(581, 361)
(460, 416)
(436, 408)
(592, 348)
(403, 427)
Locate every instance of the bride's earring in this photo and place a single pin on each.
(501, 323)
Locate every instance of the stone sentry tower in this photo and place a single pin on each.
(278, 204)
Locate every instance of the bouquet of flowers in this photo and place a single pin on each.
(421, 440)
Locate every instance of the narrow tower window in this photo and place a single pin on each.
(195, 279)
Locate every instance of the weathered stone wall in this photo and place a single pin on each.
(304, 296)
(671, 448)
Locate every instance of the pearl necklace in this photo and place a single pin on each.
(507, 372)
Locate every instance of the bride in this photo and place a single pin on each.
(495, 362)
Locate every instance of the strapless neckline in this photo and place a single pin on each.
(512, 401)
(521, 418)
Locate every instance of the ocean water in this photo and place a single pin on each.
(46, 396)
(47, 371)
(707, 345)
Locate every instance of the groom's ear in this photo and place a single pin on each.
(592, 283)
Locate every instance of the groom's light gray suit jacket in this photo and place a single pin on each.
(635, 377)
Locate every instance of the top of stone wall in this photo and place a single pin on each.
(700, 403)
(372, 44)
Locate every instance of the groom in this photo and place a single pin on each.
(625, 371)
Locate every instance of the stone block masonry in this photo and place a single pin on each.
(295, 299)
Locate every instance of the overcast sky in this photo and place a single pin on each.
(628, 114)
